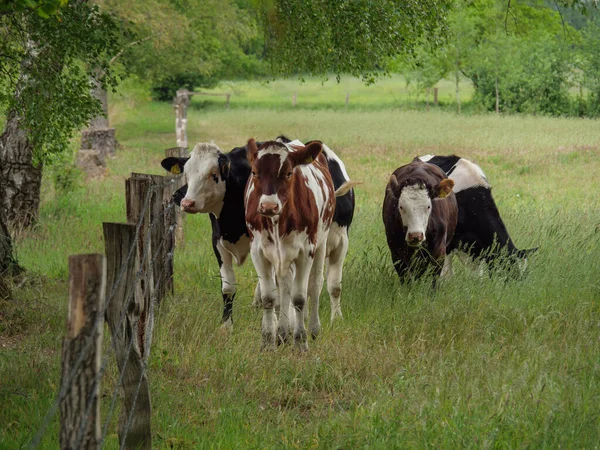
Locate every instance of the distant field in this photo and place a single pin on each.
(388, 92)
(480, 362)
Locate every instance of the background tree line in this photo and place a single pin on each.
(534, 57)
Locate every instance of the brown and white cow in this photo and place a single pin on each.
(290, 202)
(420, 215)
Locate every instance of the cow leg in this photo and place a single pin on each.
(286, 311)
(315, 285)
(299, 294)
(256, 301)
(228, 285)
(334, 277)
(447, 271)
(268, 290)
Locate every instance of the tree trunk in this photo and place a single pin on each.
(497, 97)
(7, 261)
(20, 180)
(101, 120)
(457, 79)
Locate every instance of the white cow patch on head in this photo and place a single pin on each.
(282, 152)
(206, 188)
(414, 205)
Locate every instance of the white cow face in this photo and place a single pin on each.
(206, 187)
(415, 205)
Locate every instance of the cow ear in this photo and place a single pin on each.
(224, 164)
(444, 188)
(252, 150)
(174, 165)
(307, 154)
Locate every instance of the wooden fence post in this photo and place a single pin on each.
(227, 101)
(435, 96)
(136, 192)
(80, 407)
(347, 98)
(294, 99)
(163, 240)
(427, 98)
(182, 100)
(123, 319)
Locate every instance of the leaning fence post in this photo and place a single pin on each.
(123, 320)
(80, 407)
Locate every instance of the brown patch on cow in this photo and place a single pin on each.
(299, 208)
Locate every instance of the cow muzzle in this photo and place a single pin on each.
(415, 239)
(269, 209)
(188, 205)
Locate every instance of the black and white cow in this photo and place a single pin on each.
(480, 232)
(216, 184)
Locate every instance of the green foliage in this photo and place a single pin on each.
(43, 8)
(532, 75)
(47, 64)
(590, 65)
(191, 43)
(520, 49)
(320, 37)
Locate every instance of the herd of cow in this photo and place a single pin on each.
(290, 205)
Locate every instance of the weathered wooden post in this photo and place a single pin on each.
(347, 98)
(427, 98)
(227, 101)
(435, 96)
(80, 407)
(182, 100)
(137, 191)
(294, 98)
(162, 240)
(123, 317)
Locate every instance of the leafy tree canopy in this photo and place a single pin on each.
(357, 37)
(188, 43)
(46, 64)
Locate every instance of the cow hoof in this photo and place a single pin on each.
(268, 342)
(302, 347)
(226, 328)
(283, 336)
(315, 332)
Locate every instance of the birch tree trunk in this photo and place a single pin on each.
(20, 180)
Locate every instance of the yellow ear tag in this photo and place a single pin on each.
(176, 170)
(443, 194)
(308, 160)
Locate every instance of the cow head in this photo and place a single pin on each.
(415, 204)
(206, 171)
(272, 172)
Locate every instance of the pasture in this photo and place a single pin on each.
(479, 362)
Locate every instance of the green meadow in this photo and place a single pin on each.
(480, 362)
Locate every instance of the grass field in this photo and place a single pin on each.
(479, 362)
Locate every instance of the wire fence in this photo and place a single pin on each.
(124, 288)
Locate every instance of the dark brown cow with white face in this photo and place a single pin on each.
(420, 215)
(290, 203)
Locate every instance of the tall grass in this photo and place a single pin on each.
(478, 362)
